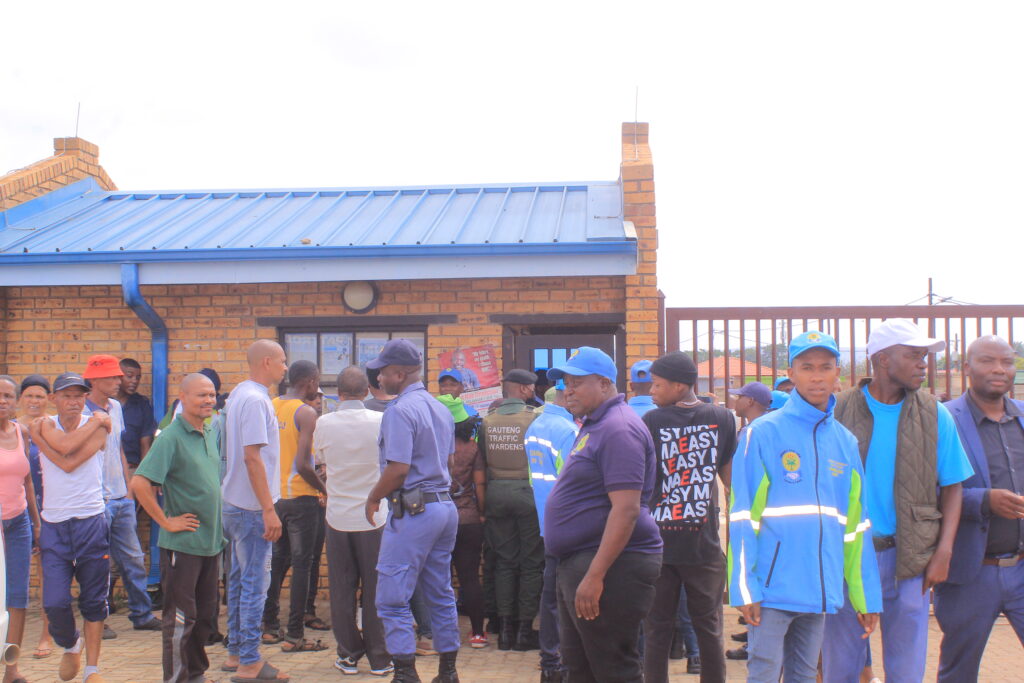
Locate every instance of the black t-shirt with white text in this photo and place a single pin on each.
(691, 444)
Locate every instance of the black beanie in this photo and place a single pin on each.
(675, 366)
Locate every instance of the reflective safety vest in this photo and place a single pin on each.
(548, 442)
(502, 441)
(797, 524)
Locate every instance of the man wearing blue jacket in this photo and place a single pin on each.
(986, 574)
(549, 439)
(798, 522)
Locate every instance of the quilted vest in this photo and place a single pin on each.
(504, 444)
(916, 481)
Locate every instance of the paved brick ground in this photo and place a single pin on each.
(134, 657)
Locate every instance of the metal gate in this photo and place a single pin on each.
(740, 344)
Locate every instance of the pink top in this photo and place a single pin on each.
(13, 470)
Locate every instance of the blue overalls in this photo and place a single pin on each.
(416, 551)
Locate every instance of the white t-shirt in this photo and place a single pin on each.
(78, 493)
(114, 485)
(250, 422)
(346, 441)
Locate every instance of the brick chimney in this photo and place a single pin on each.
(77, 147)
(642, 302)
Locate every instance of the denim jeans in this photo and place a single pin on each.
(18, 557)
(153, 579)
(248, 580)
(294, 549)
(790, 640)
(127, 555)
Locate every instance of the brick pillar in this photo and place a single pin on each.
(637, 176)
(77, 147)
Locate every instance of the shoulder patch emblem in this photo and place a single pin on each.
(580, 445)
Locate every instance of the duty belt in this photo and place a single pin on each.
(883, 542)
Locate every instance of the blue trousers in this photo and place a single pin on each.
(248, 581)
(127, 555)
(416, 554)
(74, 549)
(966, 613)
(785, 643)
(904, 625)
(18, 558)
(153, 579)
(550, 655)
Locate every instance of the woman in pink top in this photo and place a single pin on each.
(18, 512)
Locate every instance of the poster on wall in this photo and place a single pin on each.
(478, 366)
(335, 353)
(481, 399)
(368, 346)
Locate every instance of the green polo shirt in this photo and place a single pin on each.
(186, 463)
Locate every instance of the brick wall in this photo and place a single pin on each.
(52, 329)
(73, 159)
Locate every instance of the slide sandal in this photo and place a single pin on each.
(267, 673)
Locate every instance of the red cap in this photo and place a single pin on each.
(102, 366)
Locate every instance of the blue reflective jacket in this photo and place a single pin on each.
(798, 526)
(549, 438)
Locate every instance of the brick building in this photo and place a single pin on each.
(525, 270)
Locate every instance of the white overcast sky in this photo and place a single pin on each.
(806, 153)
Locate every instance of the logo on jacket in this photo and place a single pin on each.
(791, 463)
(836, 468)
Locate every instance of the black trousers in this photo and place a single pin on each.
(314, 565)
(351, 565)
(606, 650)
(513, 532)
(294, 549)
(705, 588)
(466, 558)
(189, 584)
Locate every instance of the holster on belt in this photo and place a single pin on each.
(396, 501)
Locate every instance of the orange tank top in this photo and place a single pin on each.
(292, 483)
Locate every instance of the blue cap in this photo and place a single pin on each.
(779, 399)
(781, 380)
(640, 372)
(586, 360)
(397, 352)
(812, 340)
(450, 372)
(756, 391)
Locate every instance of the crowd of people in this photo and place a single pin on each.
(592, 517)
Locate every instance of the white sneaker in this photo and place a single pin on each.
(386, 671)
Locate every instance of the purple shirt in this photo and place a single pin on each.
(418, 431)
(613, 452)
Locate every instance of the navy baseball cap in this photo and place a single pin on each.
(756, 391)
(586, 360)
(780, 381)
(397, 352)
(69, 379)
(640, 372)
(812, 340)
(450, 372)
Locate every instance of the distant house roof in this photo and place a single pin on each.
(737, 368)
(79, 234)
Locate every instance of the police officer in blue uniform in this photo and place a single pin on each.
(417, 438)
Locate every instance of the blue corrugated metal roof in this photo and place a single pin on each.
(84, 222)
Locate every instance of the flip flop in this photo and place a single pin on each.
(303, 646)
(42, 652)
(229, 668)
(267, 673)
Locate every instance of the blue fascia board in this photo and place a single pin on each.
(280, 253)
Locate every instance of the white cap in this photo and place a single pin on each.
(896, 331)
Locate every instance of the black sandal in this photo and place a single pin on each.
(317, 624)
(303, 646)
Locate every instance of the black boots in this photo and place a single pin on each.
(506, 633)
(446, 672)
(525, 639)
(405, 670)
(552, 676)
